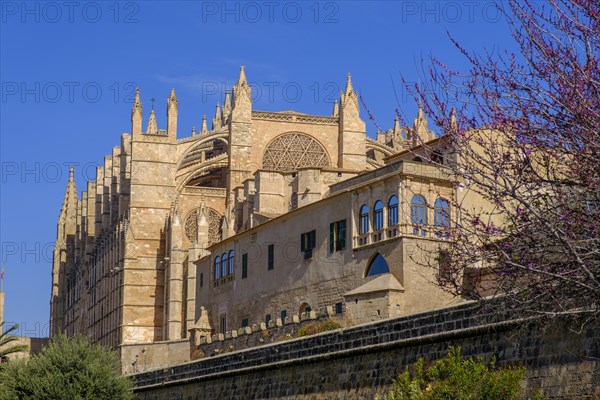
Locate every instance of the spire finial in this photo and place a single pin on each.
(153, 100)
(204, 128)
(71, 173)
(396, 124)
(152, 128)
(242, 77)
(217, 120)
(137, 102)
(336, 108)
(453, 123)
(349, 84)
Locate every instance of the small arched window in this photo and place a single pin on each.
(393, 211)
(231, 262)
(363, 221)
(418, 214)
(224, 265)
(377, 266)
(305, 308)
(441, 216)
(217, 267)
(378, 215)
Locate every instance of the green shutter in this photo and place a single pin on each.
(302, 242)
(313, 239)
(331, 238)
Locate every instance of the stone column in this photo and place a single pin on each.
(175, 301)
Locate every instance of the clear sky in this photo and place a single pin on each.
(69, 70)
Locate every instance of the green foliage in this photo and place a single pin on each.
(455, 378)
(68, 369)
(314, 328)
(6, 348)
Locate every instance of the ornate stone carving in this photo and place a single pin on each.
(291, 151)
(214, 225)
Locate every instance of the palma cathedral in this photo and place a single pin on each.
(261, 217)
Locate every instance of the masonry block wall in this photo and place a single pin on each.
(359, 362)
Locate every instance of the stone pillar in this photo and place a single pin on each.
(175, 301)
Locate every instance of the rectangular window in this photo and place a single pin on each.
(308, 241)
(201, 279)
(271, 256)
(338, 308)
(337, 236)
(244, 322)
(244, 265)
(267, 319)
(283, 316)
(223, 322)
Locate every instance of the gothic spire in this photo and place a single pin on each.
(172, 99)
(172, 111)
(396, 125)
(152, 128)
(226, 105)
(137, 103)
(70, 199)
(204, 128)
(453, 123)
(242, 76)
(136, 114)
(420, 128)
(349, 84)
(216, 122)
(336, 109)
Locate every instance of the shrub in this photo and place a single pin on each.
(314, 328)
(455, 378)
(67, 369)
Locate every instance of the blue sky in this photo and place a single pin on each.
(68, 71)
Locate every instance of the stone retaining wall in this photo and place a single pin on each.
(358, 362)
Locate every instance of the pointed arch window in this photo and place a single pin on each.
(393, 211)
(231, 262)
(441, 216)
(377, 266)
(363, 220)
(378, 216)
(418, 211)
(217, 268)
(224, 265)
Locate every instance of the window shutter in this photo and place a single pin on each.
(342, 237)
(313, 239)
(331, 238)
(302, 242)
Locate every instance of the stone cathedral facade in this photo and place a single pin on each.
(264, 216)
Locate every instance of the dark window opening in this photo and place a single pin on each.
(337, 236)
(244, 265)
(271, 256)
(308, 241)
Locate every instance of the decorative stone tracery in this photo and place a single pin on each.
(291, 151)
(214, 225)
